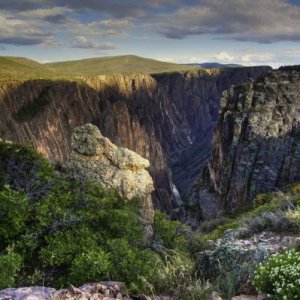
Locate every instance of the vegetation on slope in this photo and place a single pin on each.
(239, 240)
(116, 64)
(22, 68)
(19, 68)
(55, 231)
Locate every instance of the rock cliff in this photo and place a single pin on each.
(96, 158)
(256, 145)
(166, 118)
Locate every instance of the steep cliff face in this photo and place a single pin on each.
(166, 118)
(256, 145)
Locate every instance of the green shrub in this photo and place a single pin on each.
(10, 265)
(13, 214)
(171, 234)
(137, 265)
(25, 170)
(279, 275)
(90, 266)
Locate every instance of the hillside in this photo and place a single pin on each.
(23, 68)
(116, 64)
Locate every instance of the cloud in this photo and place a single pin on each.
(252, 57)
(115, 8)
(20, 32)
(244, 56)
(223, 56)
(40, 21)
(244, 20)
(116, 28)
(55, 15)
(83, 43)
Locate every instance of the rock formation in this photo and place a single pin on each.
(166, 118)
(94, 157)
(256, 145)
(103, 290)
(234, 256)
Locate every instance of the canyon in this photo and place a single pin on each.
(167, 118)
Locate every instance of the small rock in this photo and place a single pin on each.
(262, 297)
(74, 290)
(244, 297)
(96, 297)
(214, 296)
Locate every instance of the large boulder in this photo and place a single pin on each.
(94, 157)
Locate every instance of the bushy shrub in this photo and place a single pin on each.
(25, 170)
(13, 213)
(66, 231)
(91, 265)
(10, 265)
(171, 234)
(279, 275)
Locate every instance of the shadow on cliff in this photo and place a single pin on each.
(45, 113)
(161, 117)
(254, 165)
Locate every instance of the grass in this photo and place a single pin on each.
(116, 64)
(269, 212)
(20, 68)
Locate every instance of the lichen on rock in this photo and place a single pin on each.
(94, 157)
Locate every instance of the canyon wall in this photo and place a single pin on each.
(166, 118)
(256, 145)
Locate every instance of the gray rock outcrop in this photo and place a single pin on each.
(94, 157)
(256, 144)
(236, 258)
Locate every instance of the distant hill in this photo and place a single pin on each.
(23, 68)
(216, 65)
(116, 64)
(290, 68)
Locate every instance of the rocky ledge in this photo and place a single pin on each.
(235, 257)
(107, 290)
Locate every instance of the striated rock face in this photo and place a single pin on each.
(166, 118)
(256, 145)
(94, 157)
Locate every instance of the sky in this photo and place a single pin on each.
(248, 32)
